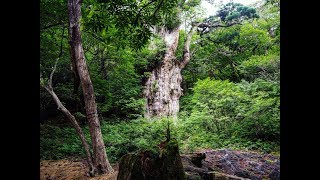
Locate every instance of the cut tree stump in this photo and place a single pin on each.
(165, 164)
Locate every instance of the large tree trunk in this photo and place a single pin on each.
(163, 87)
(101, 162)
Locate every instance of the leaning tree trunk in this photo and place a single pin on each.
(71, 118)
(163, 86)
(75, 124)
(101, 162)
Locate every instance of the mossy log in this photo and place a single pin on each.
(162, 165)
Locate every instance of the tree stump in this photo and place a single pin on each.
(165, 164)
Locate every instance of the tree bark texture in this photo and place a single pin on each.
(163, 87)
(101, 162)
(76, 78)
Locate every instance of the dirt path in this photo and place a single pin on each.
(67, 169)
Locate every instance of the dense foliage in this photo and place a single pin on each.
(231, 85)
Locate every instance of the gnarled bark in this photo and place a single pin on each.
(101, 162)
(163, 87)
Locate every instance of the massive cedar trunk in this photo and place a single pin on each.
(101, 162)
(163, 87)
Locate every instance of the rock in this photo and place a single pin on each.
(196, 158)
(193, 176)
(275, 175)
(221, 176)
(204, 165)
(190, 167)
(244, 174)
(243, 164)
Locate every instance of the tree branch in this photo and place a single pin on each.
(72, 119)
(138, 14)
(206, 26)
(186, 48)
(96, 37)
(158, 7)
(53, 25)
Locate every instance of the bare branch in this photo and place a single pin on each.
(73, 121)
(53, 25)
(187, 54)
(65, 111)
(209, 27)
(186, 48)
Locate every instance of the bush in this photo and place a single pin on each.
(119, 138)
(262, 118)
(262, 66)
(226, 114)
(58, 143)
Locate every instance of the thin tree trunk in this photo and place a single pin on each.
(101, 162)
(71, 118)
(75, 124)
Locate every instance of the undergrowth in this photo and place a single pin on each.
(124, 137)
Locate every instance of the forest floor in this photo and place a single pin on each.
(70, 169)
(231, 164)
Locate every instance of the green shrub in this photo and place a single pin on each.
(221, 114)
(262, 66)
(57, 142)
(226, 114)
